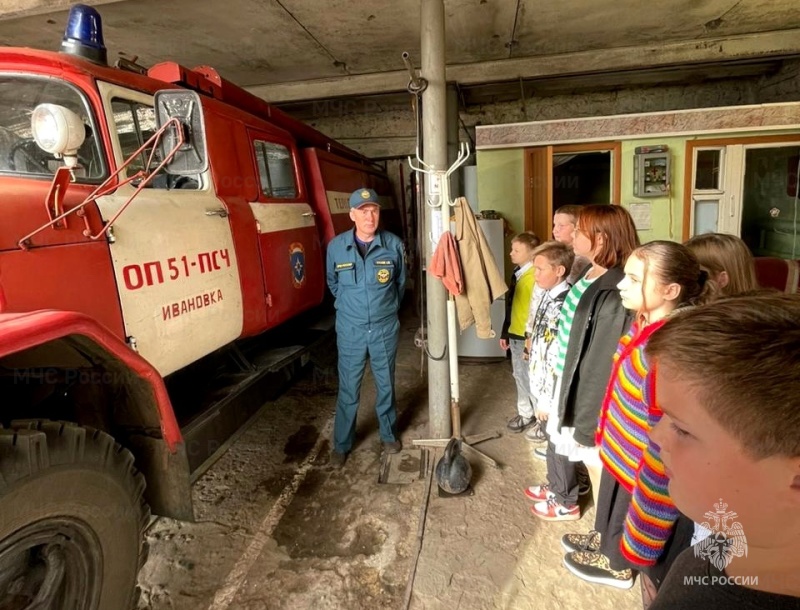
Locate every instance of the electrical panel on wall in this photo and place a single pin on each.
(651, 171)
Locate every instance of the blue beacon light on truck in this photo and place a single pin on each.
(84, 34)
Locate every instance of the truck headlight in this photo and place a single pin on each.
(57, 130)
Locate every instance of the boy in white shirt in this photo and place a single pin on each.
(552, 262)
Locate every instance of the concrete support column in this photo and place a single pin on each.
(434, 146)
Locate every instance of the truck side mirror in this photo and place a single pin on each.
(191, 157)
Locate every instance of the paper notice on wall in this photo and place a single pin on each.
(641, 213)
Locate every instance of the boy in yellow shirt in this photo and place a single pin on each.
(512, 336)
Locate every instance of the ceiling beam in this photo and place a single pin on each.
(16, 9)
(781, 43)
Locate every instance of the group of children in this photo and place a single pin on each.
(592, 325)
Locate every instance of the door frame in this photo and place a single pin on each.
(539, 193)
(688, 171)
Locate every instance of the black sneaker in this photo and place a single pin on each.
(581, 542)
(337, 459)
(519, 423)
(392, 447)
(535, 433)
(594, 567)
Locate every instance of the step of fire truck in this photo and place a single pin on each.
(217, 399)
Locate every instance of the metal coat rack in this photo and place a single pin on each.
(440, 199)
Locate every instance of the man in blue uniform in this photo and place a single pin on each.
(366, 273)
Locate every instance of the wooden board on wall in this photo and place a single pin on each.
(539, 190)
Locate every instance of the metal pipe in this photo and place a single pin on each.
(437, 220)
(454, 159)
(455, 392)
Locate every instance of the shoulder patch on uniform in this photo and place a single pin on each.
(340, 266)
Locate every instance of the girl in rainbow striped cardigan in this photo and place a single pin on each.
(634, 514)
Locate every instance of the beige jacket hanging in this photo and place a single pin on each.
(483, 282)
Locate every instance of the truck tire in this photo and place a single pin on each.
(72, 518)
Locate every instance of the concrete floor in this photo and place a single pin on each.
(278, 528)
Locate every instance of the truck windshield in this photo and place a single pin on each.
(19, 154)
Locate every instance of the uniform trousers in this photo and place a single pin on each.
(356, 344)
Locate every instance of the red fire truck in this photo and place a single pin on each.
(154, 225)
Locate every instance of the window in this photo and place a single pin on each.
(707, 169)
(708, 191)
(275, 170)
(706, 214)
(135, 123)
(19, 153)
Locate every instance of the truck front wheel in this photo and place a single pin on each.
(72, 517)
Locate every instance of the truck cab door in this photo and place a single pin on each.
(289, 242)
(172, 250)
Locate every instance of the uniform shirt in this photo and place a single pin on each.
(369, 289)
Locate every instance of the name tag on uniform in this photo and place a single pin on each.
(344, 266)
(383, 272)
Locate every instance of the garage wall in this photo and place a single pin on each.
(783, 86)
(500, 185)
(666, 212)
(387, 130)
(382, 130)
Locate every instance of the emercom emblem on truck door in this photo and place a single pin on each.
(173, 253)
(297, 260)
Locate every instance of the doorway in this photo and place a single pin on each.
(581, 178)
(569, 174)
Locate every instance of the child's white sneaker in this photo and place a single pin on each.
(551, 510)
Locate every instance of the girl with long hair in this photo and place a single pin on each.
(635, 517)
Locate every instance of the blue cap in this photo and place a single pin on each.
(362, 197)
